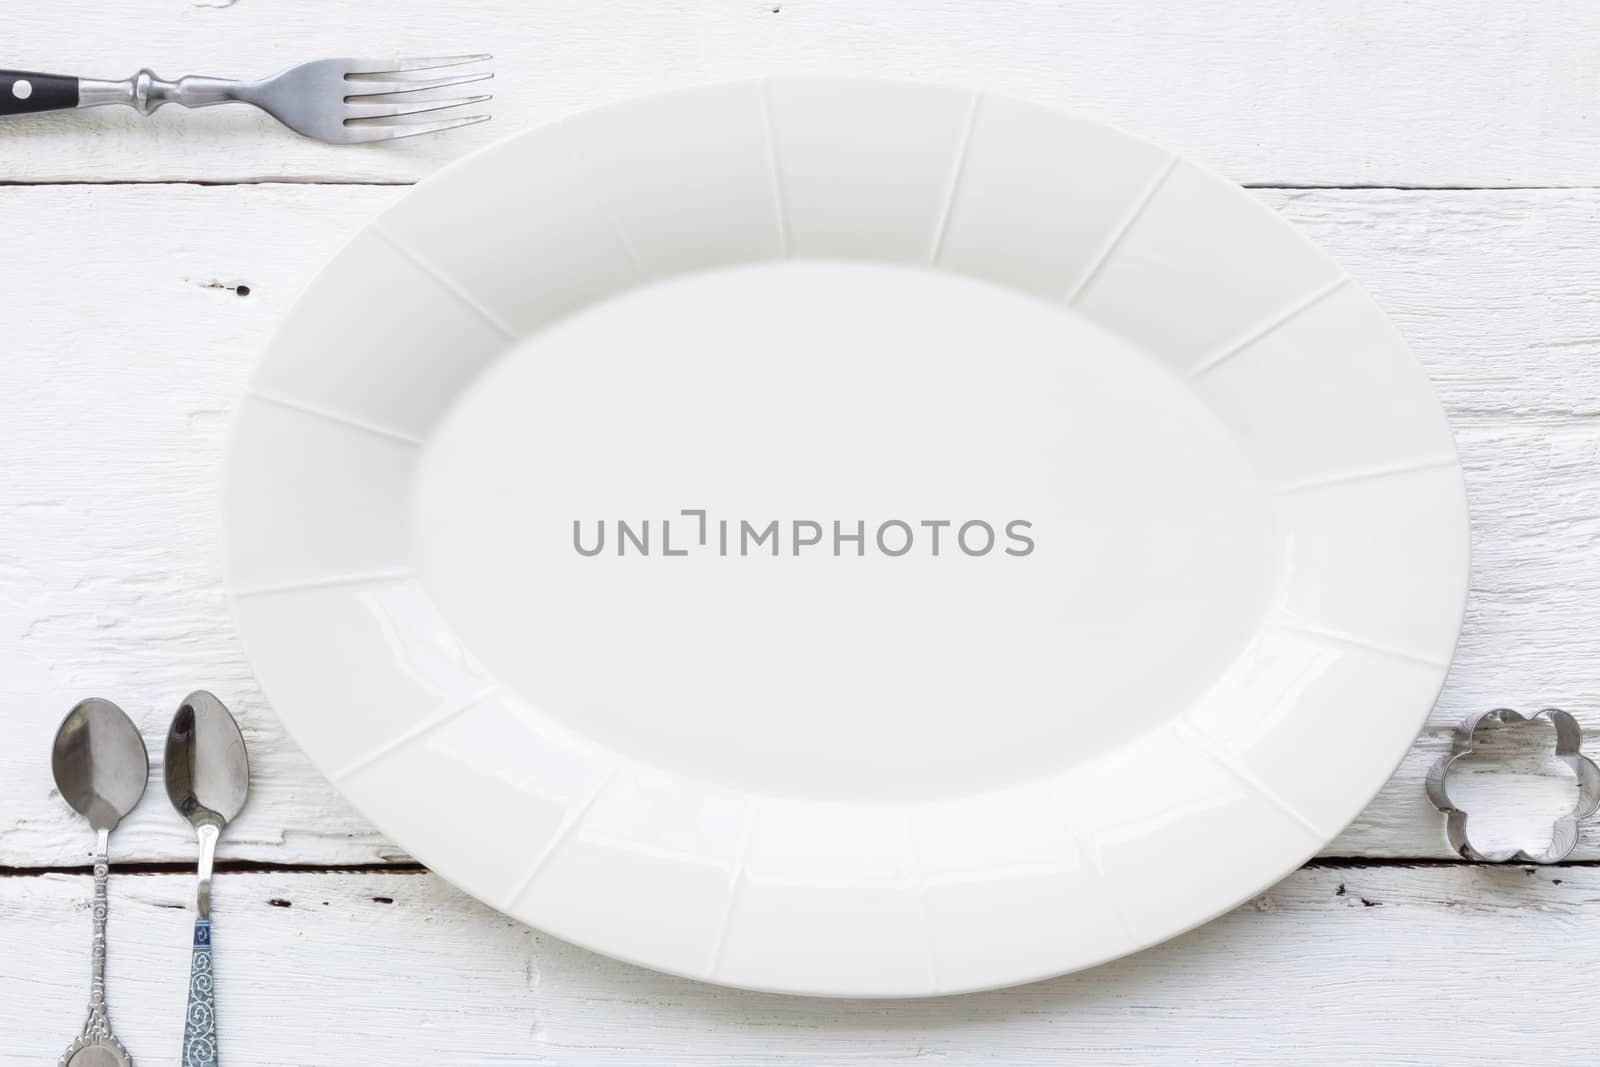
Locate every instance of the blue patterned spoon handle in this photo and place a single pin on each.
(200, 1021)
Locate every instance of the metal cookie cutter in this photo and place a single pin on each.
(1569, 740)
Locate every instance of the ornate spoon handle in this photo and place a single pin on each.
(96, 1033)
(200, 1018)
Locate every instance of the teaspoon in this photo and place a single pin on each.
(207, 775)
(100, 767)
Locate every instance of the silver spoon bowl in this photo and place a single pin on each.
(208, 778)
(101, 767)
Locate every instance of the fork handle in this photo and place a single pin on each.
(24, 91)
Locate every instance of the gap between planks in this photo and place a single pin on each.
(222, 867)
(1323, 863)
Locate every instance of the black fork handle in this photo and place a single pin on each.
(23, 92)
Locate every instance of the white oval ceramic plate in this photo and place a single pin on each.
(845, 538)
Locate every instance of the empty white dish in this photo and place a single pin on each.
(845, 538)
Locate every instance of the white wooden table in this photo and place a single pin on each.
(1447, 152)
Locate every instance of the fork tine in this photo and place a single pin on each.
(364, 132)
(358, 112)
(391, 88)
(396, 66)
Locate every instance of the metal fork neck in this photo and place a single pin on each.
(146, 91)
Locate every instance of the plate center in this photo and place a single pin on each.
(843, 530)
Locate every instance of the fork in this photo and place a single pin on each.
(341, 101)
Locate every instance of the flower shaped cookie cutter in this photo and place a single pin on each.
(1569, 742)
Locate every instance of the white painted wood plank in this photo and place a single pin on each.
(125, 352)
(1444, 92)
(1496, 291)
(1398, 966)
